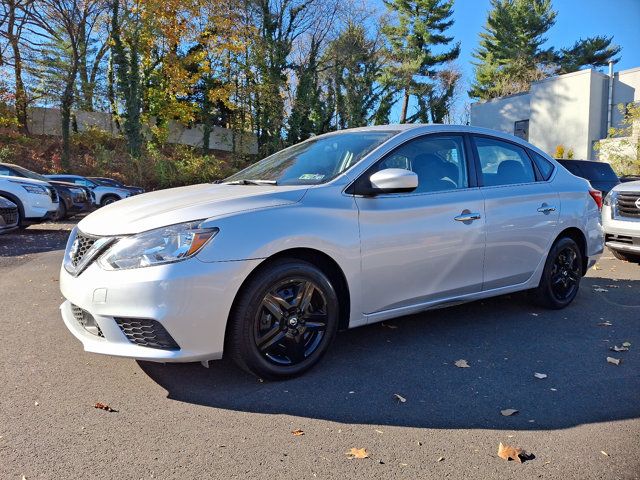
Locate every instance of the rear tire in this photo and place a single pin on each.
(561, 276)
(283, 320)
(626, 257)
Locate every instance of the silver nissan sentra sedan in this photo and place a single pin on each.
(342, 230)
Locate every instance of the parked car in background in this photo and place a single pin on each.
(342, 230)
(621, 221)
(37, 201)
(9, 215)
(600, 174)
(630, 178)
(110, 182)
(73, 198)
(103, 194)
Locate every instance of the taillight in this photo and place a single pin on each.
(597, 197)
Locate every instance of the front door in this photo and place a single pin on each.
(426, 245)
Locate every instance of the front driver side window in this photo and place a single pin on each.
(438, 160)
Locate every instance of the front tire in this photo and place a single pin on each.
(626, 257)
(108, 200)
(561, 277)
(283, 320)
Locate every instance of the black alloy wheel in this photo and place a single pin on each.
(561, 277)
(283, 320)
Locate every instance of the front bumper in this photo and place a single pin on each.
(621, 233)
(190, 299)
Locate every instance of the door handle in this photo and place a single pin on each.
(468, 217)
(546, 209)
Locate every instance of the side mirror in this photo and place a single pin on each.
(393, 180)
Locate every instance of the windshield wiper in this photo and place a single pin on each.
(246, 181)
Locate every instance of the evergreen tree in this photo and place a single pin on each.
(414, 40)
(511, 54)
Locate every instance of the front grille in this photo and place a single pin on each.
(147, 333)
(87, 321)
(81, 247)
(626, 204)
(9, 215)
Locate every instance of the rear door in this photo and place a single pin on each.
(521, 209)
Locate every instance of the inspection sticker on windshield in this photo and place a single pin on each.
(311, 176)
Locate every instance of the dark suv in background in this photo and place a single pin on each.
(600, 174)
(74, 199)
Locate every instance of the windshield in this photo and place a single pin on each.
(29, 173)
(315, 161)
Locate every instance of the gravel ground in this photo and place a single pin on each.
(188, 422)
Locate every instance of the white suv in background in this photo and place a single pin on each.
(104, 195)
(37, 201)
(621, 221)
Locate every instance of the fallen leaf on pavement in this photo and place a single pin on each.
(297, 433)
(400, 398)
(104, 407)
(613, 361)
(600, 290)
(508, 412)
(507, 452)
(626, 344)
(379, 431)
(387, 325)
(612, 286)
(597, 267)
(605, 324)
(540, 375)
(440, 459)
(357, 453)
(616, 348)
(461, 364)
(604, 453)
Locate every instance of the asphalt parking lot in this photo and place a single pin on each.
(186, 422)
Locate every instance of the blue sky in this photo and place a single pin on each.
(576, 19)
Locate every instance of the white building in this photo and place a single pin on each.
(570, 110)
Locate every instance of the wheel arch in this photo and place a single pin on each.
(317, 258)
(16, 200)
(575, 234)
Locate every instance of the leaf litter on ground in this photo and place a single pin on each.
(357, 453)
(540, 375)
(507, 452)
(104, 407)
(462, 364)
(399, 398)
(508, 412)
(613, 361)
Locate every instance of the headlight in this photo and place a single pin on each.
(157, 247)
(609, 199)
(37, 189)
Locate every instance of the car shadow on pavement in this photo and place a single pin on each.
(505, 341)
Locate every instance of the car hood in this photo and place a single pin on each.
(628, 187)
(168, 207)
(31, 181)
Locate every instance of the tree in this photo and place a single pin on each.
(14, 15)
(593, 52)
(58, 27)
(511, 53)
(414, 40)
(622, 146)
(355, 66)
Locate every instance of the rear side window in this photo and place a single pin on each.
(544, 165)
(6, 172)
(503, 163)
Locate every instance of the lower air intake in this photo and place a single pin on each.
(147, 333)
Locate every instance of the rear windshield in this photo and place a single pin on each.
(598, 171)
